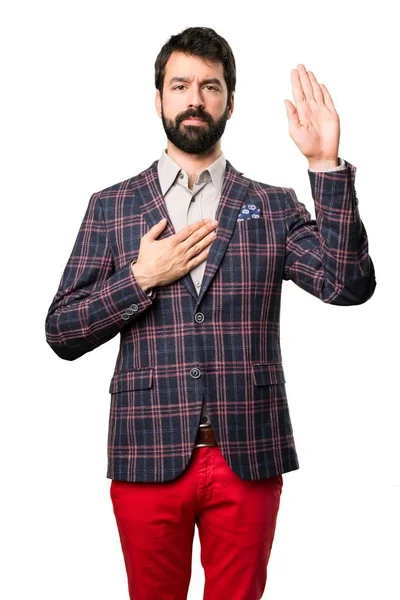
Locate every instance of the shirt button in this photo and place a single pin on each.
(199, 317)
(181, 176)
(195, 373)
(197, 284)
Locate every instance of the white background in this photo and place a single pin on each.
(77, 116)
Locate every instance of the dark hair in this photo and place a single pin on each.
(198, 41)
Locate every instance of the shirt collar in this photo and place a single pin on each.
(168, 171)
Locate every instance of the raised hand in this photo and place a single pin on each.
(313, 123)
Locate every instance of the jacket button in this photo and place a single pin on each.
(199, 317)
(125, 316)
(129, 311)
(134, 307)
(195, 373)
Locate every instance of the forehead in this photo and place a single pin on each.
(180, 64)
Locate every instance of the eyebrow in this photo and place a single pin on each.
(187, 80)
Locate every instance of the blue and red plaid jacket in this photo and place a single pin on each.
(223, 342)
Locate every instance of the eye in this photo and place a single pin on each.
(212, 87)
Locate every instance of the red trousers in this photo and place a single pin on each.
(236, 525)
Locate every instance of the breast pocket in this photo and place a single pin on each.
(247, 224)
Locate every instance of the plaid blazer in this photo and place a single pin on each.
(177, 345)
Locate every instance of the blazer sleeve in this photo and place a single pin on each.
(94, 301)
(328, 256)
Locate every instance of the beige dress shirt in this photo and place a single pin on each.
(185, 206)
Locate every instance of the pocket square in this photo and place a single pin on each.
(248, 212)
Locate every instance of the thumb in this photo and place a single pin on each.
(155, 231)
(292, 115)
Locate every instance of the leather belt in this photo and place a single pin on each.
(205, 437)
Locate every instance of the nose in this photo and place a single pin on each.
(195, 99)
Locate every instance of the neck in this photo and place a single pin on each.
(193, 164)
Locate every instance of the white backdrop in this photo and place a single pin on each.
(77, 116)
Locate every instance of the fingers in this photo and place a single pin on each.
(195, 241)
(194, 248)
(318, 95)
(304, 82)
(197, 260)
(187, 248)
(327, 98)
(196, 231)
(306, 87)
(297, 89)
(155, 231)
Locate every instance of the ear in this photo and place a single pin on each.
(158, 103)
(231, 105)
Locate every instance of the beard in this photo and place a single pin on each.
(194, 139)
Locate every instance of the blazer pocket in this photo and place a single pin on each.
(267, 373)
(134, 379)
(250, 223)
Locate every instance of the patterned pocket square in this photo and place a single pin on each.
(249, 212)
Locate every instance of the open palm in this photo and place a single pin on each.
(313, 123)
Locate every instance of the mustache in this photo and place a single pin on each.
(198, 114)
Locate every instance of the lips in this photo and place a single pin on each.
(194, 120)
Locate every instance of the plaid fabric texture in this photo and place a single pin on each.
(176, 345)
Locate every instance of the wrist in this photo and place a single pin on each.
(323, 163)
(143, 281)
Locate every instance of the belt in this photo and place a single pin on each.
(205, 437)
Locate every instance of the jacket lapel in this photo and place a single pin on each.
(233, 195)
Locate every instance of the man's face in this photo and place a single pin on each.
(193, 88)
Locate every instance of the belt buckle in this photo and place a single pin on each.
(202, 435)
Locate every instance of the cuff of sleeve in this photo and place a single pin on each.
(336, 190)
(340, 167)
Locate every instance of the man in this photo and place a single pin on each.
(199, 430)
